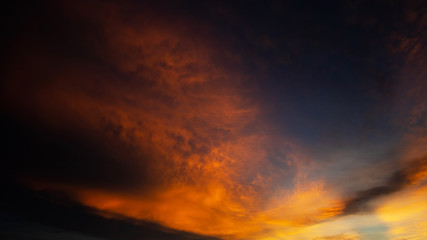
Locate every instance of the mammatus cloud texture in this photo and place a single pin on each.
(210, 121)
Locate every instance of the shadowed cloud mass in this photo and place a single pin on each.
(214, 119)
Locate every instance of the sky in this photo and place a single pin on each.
(218, 120)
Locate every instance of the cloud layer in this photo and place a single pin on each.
(191, 118)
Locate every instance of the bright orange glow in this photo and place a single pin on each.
(405, 214)
(174, 104)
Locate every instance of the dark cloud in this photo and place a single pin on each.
(38, 154)
(412, 173)
(197, 115)
(56, 210)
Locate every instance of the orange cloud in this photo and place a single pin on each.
(166, 98)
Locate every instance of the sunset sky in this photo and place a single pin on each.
(218, 120)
